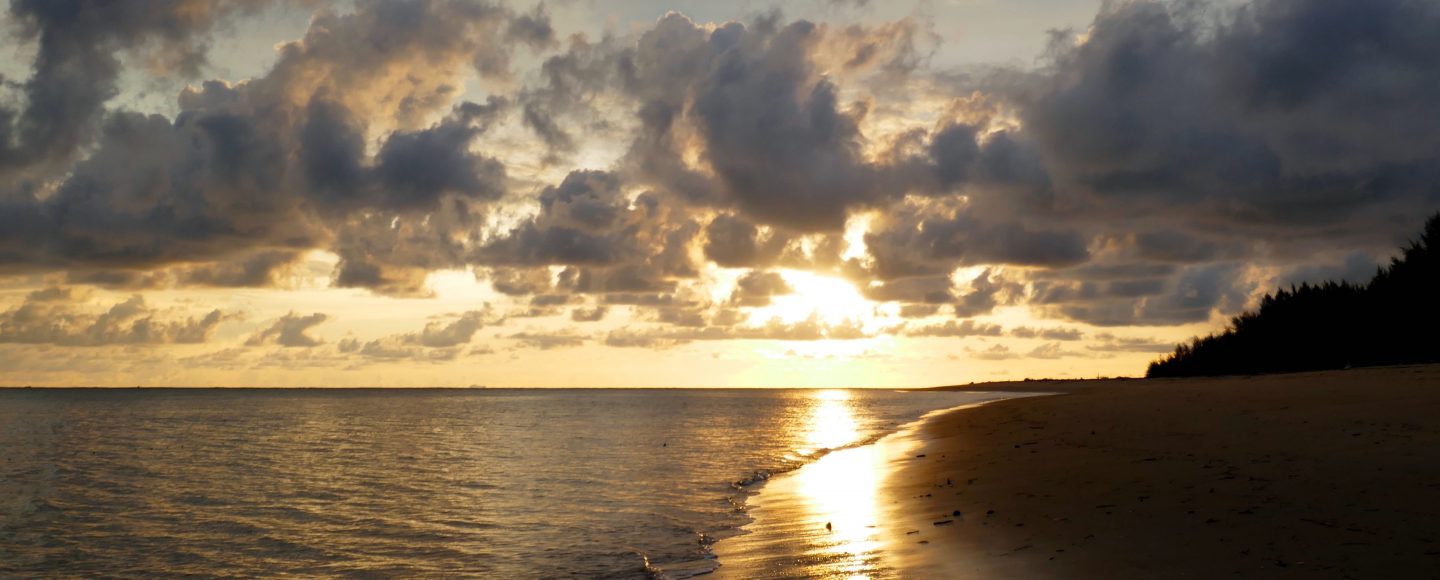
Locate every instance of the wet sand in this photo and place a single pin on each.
(1313, 475)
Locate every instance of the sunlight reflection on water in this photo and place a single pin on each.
(840, 492)
(832, 422)
(824, 520)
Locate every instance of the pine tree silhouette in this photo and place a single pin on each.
(1390, 320)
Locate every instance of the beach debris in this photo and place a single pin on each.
(920, 455)
(944, 522)
(923, 542)
(955, 513)
(912, 532)
(828, 528)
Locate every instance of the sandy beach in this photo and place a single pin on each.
(1311, 475)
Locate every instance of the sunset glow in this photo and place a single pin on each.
(832, 193)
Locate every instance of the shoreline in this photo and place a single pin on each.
(789, 524)
(1324, 474)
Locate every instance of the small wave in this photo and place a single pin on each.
(680, 570)
(804, 458)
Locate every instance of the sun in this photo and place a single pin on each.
(830, 299)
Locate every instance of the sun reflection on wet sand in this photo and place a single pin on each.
(831, 510)
(840, 490)
(841, 493)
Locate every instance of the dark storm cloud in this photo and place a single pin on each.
(988, 290)
(262, 269)
(776, 134)
(291, 330)
(79, 45)
(1170, 246)
(608, 242)
(1191, 295)
(916, 239)
(1357, 268)
(734, 242)
(278, 163)
(1296, 114)
(587, 221)
(752, 104)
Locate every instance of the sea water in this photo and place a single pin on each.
(523, 483)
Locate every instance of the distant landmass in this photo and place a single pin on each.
(1393, 319)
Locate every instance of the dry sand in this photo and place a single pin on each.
(1314, 475)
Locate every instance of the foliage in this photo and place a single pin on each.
(1391, 320)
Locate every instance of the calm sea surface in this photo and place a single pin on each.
(497, 483)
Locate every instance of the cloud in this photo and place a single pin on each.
(519, 281)
(58, 316)
(755, 289)
(737, 116)
(1053, 350)
(609, 242)
(1111, 343)
(953, 329)
(919, 310)
(289, 331)
(548, 340)
(1283, 119)
(734, 242)
(436, 342)
(986, 291)
(279, 164)
(923, 290)
(1052, 333)
(77, 67)
(995, 352)
(927, 238)
(595, 314)
(810, 329)
(1153, 169)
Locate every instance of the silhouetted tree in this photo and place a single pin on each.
(1391, 320)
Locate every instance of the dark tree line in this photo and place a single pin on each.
(1394, 319)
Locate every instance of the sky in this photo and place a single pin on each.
(587, 193)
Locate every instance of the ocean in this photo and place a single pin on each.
(502, 483)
